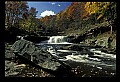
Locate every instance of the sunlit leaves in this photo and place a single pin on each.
(14, 11)
(78, 13)
(100, 16)
(96, 8)
(18, 14)
(33, 11)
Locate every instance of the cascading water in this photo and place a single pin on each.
(55, 42)
(96, 60)
(58, 40)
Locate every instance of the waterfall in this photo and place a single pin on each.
(57, 39)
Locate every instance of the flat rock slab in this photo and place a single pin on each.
(44, 59)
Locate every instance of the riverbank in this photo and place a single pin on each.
(82, 41)
(94, 35)
(24, 63)
(79, 69)
(14, 67)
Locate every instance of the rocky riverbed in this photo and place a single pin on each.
(23, 58)
(13, 69)
(19, 65)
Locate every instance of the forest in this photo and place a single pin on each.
(79, 15)
(87, 25)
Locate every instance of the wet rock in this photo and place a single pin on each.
(76, 38)
(28, 51)
(110, 51)
(35, 39)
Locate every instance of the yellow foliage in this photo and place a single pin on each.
(100, 16)
(96, 7)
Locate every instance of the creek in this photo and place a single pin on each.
(91, 62)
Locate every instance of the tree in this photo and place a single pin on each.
(14, 11)
(30, 23)
(101, 9)
(97, 8)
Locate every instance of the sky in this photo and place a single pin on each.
(48, 8)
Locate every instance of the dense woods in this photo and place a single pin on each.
(81, 14)
(20, 19)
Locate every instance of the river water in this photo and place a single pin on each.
(92, 63)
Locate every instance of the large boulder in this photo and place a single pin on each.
(44, 59)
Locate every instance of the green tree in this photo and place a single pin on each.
(14, 11)
(30, 23)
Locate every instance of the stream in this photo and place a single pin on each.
(91, 63)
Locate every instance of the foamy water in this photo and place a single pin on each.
(102, 54)
(96, 58)
(57, 39)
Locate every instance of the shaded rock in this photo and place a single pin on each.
(113, 43)
(102, 42)
(110, 51)
(31, 71)
(8, 46)
(88, 42)
(44, 59)
(9, 54)
(75, 47)
(11, 68)
(76, 38)
(35, 39)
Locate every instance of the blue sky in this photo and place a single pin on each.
(48, 8)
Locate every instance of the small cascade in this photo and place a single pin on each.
(57, 39)
(92, 58)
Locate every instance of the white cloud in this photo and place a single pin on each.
(59, 5)
(53, 3)
(47, 13)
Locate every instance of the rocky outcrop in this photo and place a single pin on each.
(29, 52)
